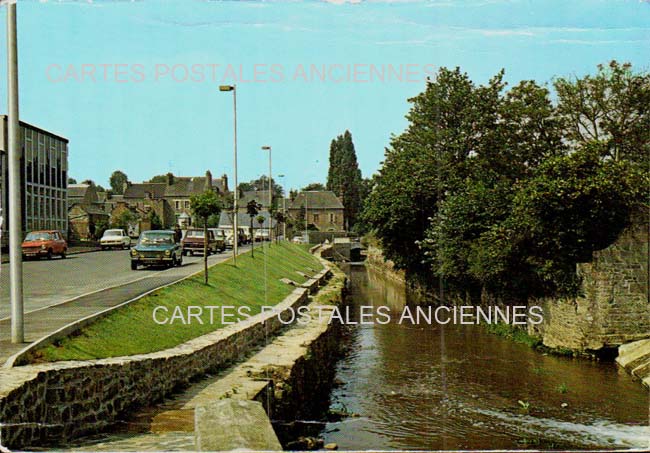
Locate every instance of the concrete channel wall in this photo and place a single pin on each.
(51, 403)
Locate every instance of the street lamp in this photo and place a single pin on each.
(235, 231)
(284, 208)
(268, 148)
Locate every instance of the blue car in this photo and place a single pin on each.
(157, 247)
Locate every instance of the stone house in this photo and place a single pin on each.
(147, 198)
(85, 212)
(179, 189)
(322, 209)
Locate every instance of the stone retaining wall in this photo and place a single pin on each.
(54, 402)
(613, 309)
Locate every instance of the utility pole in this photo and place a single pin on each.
(15, 203)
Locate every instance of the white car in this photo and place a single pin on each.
(115, 239)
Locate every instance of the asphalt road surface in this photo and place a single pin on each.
(51, 282)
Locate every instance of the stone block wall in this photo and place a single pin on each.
(50, 403)
(614, 308)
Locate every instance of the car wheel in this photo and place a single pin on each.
(49, 254)
(134, 265)
(63, 254)
(191, 252)
(184, 253)
(179, 262)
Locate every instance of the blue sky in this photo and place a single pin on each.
(146, 121)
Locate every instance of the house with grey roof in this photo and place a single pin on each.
(320, 209)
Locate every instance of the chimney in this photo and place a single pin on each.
(170, 179)
(208, 181)
(224, 178)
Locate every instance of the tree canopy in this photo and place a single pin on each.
(117, 181)
(344, 176)
(506, 190)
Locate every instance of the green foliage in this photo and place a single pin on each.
(117, 181)
(344, 176)
(262, 183)
(124, 219)
(205, 204)
(156, 223)
(169, 177)
(506, 191)
(314, 186)
(611, 107)
(72, 181)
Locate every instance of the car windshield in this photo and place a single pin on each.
(113, 233)
(154, 237)
(38, 236)
(195, 234)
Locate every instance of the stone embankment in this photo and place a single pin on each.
(50, 403)
(635, 358)
(611, 311)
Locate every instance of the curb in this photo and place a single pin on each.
(6, 260)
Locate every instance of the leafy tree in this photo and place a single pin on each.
(124, 220)
(203, 206)
(262, 183)
(72, 181)
(344, 176)
(252, 209)
(314, 186)
(612, 107)
(117, 181)
(163, 178)
(154, 219)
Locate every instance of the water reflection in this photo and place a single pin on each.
(429, 387)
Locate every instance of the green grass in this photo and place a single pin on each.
(521, 336)
(131, 330)
(515, 334)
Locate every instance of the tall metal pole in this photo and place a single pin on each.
(235, 231)
(268, 148)
(284, 208)
(15, 204)
(270, 200)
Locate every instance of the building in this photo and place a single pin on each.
(321, 209)
(261, 197)
(86, 212)
(179, 189)
(44, 178)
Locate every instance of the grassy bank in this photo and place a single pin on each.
(131, 330)
(518, 335)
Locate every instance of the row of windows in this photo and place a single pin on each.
(332, 218)
(180, 204)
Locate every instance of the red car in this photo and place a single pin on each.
(45, 243)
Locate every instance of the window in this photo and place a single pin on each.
(187, 204)
(315, 218)
(332, 218)
(178, 204)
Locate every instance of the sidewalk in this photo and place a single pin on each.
(42, 322)
(72, 250)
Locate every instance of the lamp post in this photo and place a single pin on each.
(15, 203)
(284, 208)
(268, 148)
(235, 231)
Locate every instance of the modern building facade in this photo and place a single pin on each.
(44, 178)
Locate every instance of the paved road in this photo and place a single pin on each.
(59, 291)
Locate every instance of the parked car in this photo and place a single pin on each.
(247, 234)
(156, 247)
(194, 241)
(45, 243)
(298, 240)
(229, 237)
(115, 239)
(262, 235)
(220, 237)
